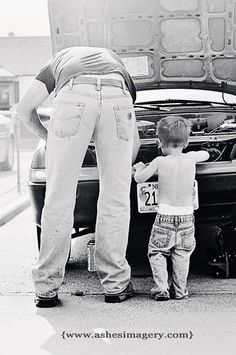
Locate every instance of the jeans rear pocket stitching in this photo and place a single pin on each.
(75, 120)
(159, 241)
(188, 235)
(124, 133)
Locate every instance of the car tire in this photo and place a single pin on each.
(8, 163)
(38, 229)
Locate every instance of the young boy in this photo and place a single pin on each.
(173, 230)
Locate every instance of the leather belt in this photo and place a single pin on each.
(95, 81)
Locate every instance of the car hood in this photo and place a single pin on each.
(163, 43)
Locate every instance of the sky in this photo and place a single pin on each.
(24, 18)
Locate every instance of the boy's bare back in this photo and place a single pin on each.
(176, 173)
(176, 178)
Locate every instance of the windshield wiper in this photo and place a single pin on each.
(154, 105)
(147, 106)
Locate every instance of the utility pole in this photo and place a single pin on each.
(17, 135)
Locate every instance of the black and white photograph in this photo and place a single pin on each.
(118, 177)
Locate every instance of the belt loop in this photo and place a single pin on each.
(71, 83)
(123, 87)
(176, 222)
(98, 84)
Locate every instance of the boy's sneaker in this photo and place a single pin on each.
(162, 296)
(120, 297)
(182, 298)
(46, 302)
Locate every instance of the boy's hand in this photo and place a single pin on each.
(138, 167)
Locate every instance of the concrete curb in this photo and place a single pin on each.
(13, 209)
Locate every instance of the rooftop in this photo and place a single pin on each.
(24, 55)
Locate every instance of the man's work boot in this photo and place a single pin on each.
(120, 297)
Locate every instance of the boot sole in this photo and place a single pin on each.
(118, 298)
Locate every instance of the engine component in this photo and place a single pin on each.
(233, 153)
(208, 123)
(214, 154)
(214, 122)
(198, 124)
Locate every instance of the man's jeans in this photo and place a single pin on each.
(80, 112)
(171, 236)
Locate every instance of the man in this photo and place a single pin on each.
(94, 97)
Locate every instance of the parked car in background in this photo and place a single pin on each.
(7, 140)
(170, 44)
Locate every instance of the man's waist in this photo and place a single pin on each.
(113, 75)
(101, 80)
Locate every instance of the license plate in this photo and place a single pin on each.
(147, 196)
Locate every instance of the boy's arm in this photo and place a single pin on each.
(143, 174)
(201, 155)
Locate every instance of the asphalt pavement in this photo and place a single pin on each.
(203, 324)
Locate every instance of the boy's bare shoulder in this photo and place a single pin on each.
(158, 159)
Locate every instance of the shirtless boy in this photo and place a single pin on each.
(173, 230)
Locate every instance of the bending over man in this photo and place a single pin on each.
(94, 97)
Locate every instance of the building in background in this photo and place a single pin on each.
(20, 60)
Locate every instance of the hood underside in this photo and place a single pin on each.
(163, 43)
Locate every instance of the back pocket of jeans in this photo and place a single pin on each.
(188, 239)
(124, 117)
(66, 118)
(160, 237)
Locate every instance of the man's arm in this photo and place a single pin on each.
(143, 173)
(33, 97)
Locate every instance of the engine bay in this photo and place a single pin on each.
(214, 132)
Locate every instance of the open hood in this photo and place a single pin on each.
(163, 43)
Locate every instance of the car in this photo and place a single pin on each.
(7, 141)
(168, 47)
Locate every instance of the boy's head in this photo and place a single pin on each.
(173, 132)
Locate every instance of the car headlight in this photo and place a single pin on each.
(37, 172)
(38, 161)
(37, 175)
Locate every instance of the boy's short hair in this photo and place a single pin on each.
(173, 131)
